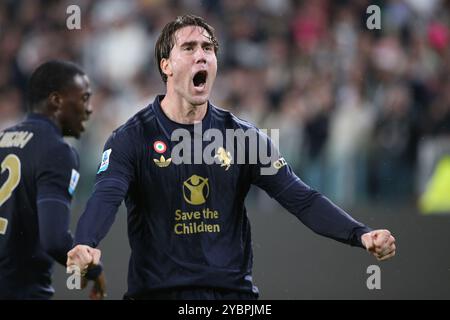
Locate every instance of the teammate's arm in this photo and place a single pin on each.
(56, 178)
(54, 234)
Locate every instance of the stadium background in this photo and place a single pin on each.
(364, 118)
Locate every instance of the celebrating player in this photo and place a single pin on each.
(187, 222)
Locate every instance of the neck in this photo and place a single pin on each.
(181, 111)
(47, 113)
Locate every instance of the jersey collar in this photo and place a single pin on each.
(168, 126)
(45, 119)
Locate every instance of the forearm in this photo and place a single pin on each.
(100, 212)
(327, 219)
(54, 235)
(321, 215)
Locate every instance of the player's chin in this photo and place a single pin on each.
(197, 100)
(76, 133)
(199, 97)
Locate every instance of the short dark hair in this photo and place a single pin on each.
(51, 76)
(166, 39)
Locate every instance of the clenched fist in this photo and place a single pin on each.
(83, 256)
(380, 243)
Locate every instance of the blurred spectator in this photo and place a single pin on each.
(392, 165)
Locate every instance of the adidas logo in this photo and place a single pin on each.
(162, 162)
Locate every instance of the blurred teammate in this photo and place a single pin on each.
(187, 223)
(39, 174)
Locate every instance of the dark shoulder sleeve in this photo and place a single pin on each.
(118, 158)
(271, 171)
(57, 173)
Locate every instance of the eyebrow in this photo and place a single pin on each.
(193, 43)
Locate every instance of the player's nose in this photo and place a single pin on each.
(88, 110)
(200, 55)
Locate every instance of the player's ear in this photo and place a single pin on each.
(55, 99)
(166, 67)
(54, 102)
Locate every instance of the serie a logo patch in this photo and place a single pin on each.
(73, 181)
(105, 161)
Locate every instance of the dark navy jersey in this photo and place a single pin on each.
(37, 168)
(187, 222)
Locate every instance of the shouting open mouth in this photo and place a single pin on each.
(199, 79)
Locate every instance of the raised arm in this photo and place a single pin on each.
(316, 211)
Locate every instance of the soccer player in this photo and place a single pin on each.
(39, 174)
(187, 223)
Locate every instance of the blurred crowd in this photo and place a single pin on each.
(358, 110)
